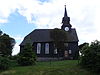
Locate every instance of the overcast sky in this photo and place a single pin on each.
(20, 17)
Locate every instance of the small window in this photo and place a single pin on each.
(66, 53)
(38, 48)
(55, 51)
(70, 52)
(47, 48)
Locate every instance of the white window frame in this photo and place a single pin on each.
(38, 48)
(70, 51)
(46, 48)
(55, 51)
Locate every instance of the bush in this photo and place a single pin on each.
(4, 63)
(27, 56)
(90, 57)
(14, 57)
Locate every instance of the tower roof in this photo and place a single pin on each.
(65, 14)
(65, 20)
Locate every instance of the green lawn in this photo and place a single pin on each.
(67, 67)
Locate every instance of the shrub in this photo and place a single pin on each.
(90, 57)
(27, 56)
(14, 57)
(4, 63)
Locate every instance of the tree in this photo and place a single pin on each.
(81, 46)
(59, 37)
(0, 32)
(90, 57)
(4, 63)
(27, 56)
(6, 44)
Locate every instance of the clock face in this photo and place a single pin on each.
(66, 29)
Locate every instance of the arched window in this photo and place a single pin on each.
(38, 48)
(47, 48)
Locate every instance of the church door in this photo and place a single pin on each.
(66, 54)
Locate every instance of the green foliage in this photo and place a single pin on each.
(0, 32)
(27, 56)
(90, 57)
(82, 45)
(4, 63)
(6, 44)
(59, 36)
(13, 57)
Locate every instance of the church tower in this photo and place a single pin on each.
(66, 22)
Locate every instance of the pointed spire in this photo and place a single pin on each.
(66, 20)
(65, 14)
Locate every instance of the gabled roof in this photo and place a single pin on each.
(43, 35)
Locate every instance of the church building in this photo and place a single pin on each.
(43, 44)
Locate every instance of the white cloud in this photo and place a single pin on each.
(7, 7)
(3, 20)
(16, 49)
(18, 37)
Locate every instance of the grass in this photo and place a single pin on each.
(66, 67)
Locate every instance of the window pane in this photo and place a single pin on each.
(55, 51)
(38, 48)
(47, 48)
(70, 51)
